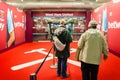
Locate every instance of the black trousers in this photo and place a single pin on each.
(89, 71)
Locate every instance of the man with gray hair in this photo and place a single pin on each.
(92, 44)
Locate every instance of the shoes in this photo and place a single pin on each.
(67, 75)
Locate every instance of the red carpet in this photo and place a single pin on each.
(19, 62)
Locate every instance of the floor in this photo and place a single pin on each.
(20, 62)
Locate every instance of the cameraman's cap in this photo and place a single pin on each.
(92, 24)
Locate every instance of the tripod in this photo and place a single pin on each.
(53, 65)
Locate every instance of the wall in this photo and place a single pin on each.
(12, 26)
(108, 19)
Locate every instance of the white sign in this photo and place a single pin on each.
(58, 14)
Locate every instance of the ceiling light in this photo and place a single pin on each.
(68, 0)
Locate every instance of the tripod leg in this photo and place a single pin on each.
(53, 64)
(33, 76)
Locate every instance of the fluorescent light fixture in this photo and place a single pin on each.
(68, 0)
(116, 1)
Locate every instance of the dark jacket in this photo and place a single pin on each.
(65, 37)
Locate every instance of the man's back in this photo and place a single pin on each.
(92, 44)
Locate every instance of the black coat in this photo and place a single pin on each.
(66, 38)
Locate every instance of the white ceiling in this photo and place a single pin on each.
(57, 5)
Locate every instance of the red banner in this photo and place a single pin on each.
(60, 14)
(114, 26)
(12, 26)
(3, 28)
(19, 24)
(108, 19)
